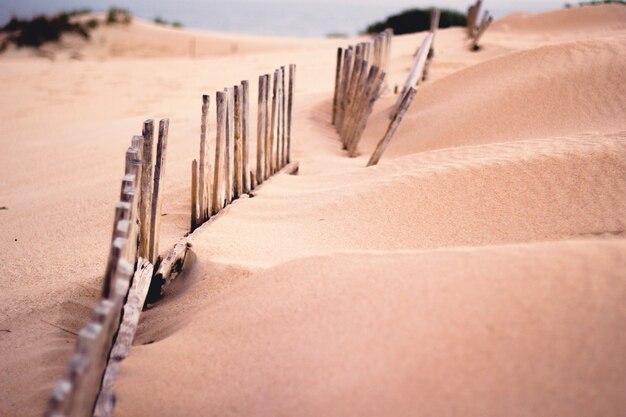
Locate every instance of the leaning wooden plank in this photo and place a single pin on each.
(356, 104)
(125, 336)
(393, 125)
(292, 81)
(483, 27)
(195, 221)
(220, 104)
(145, 204)
(238, 151)
(203, 188)
(169, 268)
(279, 123)
(337, 82)
(415, 75)
(157, 198)
(434, 25)
(245, 136)
(260, 131)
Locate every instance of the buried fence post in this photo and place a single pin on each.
(157, 198)
(228, 163)
(283, 119)
(272, 155)
(268, 144)
(481, 30)
(393, 125)
(434, 24)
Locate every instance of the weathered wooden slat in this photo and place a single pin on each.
(238, 155)
(245, 135)
(337, 83)
(260, 131)
(434, 25)
(273, 122)
(220, 129)
(145, 204)
(157, 198)
(203, 175)
(195, 221)
(393, 125)
(374, 84)
(355, 103)
(228, 148)
(292, 83)
(169, 268)
(283, 117)
(415, 75)
(268, 147)
(481, 31)
(125, 336)
(345, 82)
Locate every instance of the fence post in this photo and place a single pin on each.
(238, 157)
(228, 154)
(145, 204)
(273, 122)
(245, 135)
(393, 125)
(292, 80)
(194, 195)
(218, 178)
(203, 186)
(260, 131)
(268, 144)
(157, 198)
(337, 82)
(283, 112)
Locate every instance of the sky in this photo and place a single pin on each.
(270, 17)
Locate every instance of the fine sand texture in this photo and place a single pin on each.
(478, 270)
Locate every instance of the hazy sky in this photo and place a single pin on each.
(297, 17)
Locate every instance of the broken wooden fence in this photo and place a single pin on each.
(359, 81)
(223, 172)
(475, 27)
(86, 388)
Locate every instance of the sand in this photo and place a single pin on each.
(477, 270)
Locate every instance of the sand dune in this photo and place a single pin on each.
(510, 330)
(477, 270)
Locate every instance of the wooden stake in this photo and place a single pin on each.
(203, 181)
(238, 172)
(483, 27)
(145, 204)
(345, 83)
(393, 125)
(245, 135)
(260, 130)
(337, 83)
(283, 117)
(292, 81)
(220, 129)
(268, 144)
(415, 75)
(195, 221)
(157, 199)
(273, 123)
(374, 84)
(434, 25)
(228, 145)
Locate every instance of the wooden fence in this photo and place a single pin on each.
(359, 81)
(134, 269)
(476, 28)
(134, 248)
(231, 176)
